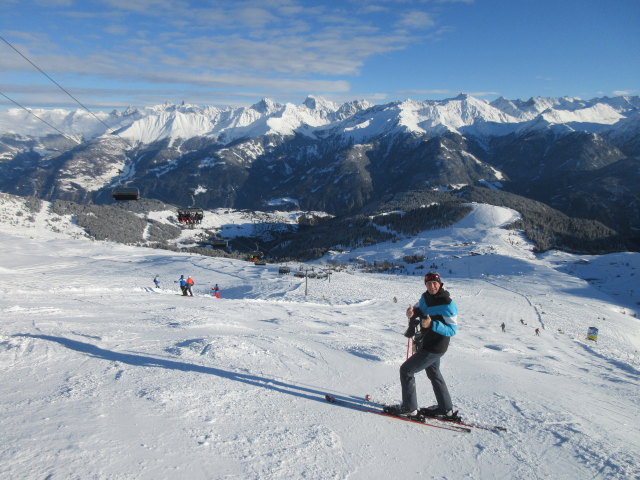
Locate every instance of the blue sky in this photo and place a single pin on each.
(116, 53)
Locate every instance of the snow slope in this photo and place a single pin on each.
(106, 377)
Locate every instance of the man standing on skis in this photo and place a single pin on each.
(436, 315)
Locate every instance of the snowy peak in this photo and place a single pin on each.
(172, 123)
(266, 106)
(320, 104)
(599, 113)
(463, 114)
(427, 117)
(74, 123)
(464, 111)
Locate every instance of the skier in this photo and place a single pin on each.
(215, 291)
(156, 280)
(503, 326)
(189, 283)
(183, 285)
(537, 332)
(436, 314)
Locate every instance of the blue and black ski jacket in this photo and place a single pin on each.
(444, 315)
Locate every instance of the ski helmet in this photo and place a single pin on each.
(433, 277)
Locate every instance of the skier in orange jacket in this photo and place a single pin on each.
(190, 283)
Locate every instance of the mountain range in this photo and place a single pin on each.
(580, 157)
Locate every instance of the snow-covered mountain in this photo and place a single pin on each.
(580, 156)
(106, 376)
(462, 114)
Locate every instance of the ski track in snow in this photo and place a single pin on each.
(105, 376)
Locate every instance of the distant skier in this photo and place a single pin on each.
(215, 291)
(522, 321)
(537, 332)
(183, 284)
(436, 315)
(503, 327)
(189, 283)
(156, 280)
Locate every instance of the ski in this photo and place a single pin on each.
(419, 420)
(491, 428)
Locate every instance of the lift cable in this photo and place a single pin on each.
(120, 193)
(41, 119)
(59, 86)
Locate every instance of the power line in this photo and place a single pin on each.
(41, 119)
(59, 86)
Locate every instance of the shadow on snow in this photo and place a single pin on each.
(137, 360)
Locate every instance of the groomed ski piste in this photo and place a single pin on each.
(106, 377)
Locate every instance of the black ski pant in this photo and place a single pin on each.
(430, 362)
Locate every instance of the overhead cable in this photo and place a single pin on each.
(59, 86)
(41, 119)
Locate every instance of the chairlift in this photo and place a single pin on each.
(197, 214)
(218, 242)
(190, 216)
(256, 257)
(125, 193)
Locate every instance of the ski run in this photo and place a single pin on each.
(105, 376)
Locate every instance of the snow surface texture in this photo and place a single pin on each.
(106, 377)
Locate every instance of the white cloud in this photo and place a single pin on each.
(274, 46)
(116, 29)
(147, 6)
(415, 19)
(255, 17)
